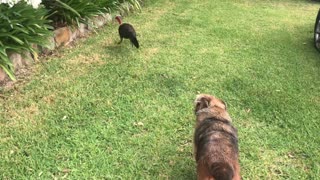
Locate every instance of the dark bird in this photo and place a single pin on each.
(127, 31)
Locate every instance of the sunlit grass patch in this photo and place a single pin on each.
(100, 110)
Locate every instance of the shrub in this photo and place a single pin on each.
(118, 5)
(126, 6)
(70, 12)
(21, 26)
(106, 5)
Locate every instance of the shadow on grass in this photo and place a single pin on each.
(117, 49)
(182, 170)
(121, 52)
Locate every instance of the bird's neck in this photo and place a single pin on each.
(119, 20)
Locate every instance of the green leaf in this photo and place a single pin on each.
(13, 37)
(9, 72)
(69, 8)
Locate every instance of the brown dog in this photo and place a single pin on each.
(215, 140)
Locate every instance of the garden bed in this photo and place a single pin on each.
(24, 51)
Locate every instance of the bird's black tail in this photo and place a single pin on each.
(135, 42)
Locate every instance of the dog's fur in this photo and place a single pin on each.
(215, 141)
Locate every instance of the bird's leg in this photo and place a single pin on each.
(120, 40)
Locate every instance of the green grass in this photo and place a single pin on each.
(101, 110)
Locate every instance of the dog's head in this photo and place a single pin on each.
(207, 105)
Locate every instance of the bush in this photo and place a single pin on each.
(126, 6)
(21, 26)
(106, 5)
(70, 12)
(118, 5)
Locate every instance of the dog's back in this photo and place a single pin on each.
(215, 140)
(217, 147)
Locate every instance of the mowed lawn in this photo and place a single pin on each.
(99, 110)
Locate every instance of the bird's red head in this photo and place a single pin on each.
(118, 18)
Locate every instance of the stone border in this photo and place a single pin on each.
(62, 37)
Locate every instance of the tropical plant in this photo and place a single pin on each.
(119, 5)
(107, 5)
(126, 6)
(70, 12)
(21, 27)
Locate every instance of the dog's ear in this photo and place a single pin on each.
(201, 102)
(225, 104)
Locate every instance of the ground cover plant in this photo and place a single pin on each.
(69, 12)
(100, 110)
(21, 27)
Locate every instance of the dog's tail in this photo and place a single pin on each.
(221, 171)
